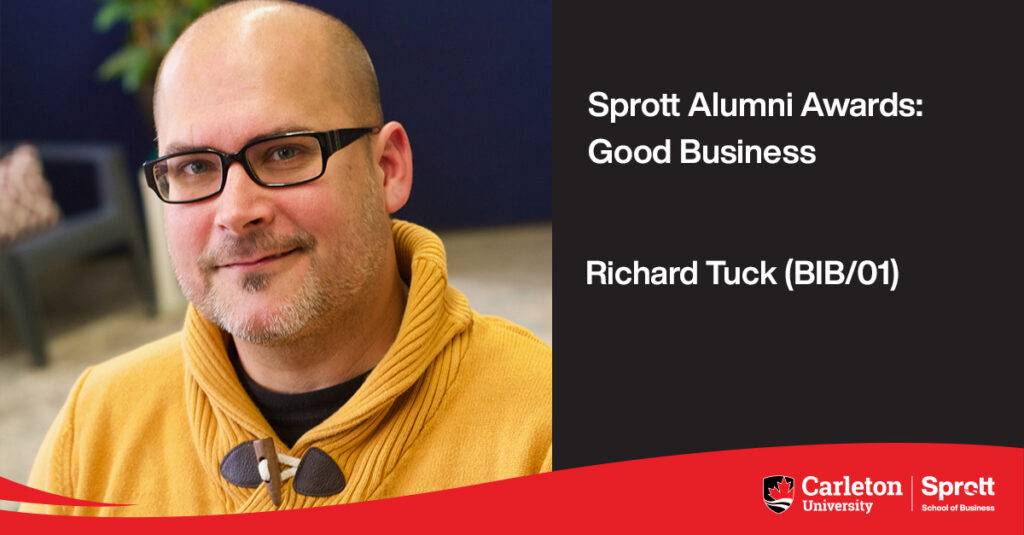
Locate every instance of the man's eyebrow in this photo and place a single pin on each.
(175, 148)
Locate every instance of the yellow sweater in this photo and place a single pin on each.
(458, 399)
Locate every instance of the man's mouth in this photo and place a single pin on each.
(256, 261)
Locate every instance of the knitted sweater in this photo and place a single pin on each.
(458, 399)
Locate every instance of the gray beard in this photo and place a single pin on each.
(309, 303)
(287, 321)
(318, 300)
(255, 282)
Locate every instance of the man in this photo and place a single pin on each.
(324, 359)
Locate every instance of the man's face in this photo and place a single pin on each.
(268, 264)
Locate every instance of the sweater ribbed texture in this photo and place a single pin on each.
(458, 399)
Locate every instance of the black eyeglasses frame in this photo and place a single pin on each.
(330, 141)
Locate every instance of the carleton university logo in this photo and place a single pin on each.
(778, 493)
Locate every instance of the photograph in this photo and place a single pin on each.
(224, 291)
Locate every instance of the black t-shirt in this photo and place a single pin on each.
(291, 415)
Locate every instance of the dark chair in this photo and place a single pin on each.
(112, 222)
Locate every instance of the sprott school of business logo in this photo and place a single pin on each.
(779, 492)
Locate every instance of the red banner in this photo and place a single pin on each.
(844, 488)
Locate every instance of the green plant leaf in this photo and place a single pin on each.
(133, 63)
(198, 7)
(155, 24)
(132, 80)
(170, 27)
(111, 13)
(147, 11)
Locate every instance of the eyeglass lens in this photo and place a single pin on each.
(281, 161)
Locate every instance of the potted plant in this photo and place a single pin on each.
(153, 25)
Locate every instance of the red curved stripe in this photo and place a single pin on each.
(16, 492)
(717, 492)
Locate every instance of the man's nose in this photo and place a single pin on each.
(243, 205)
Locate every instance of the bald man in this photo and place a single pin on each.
(324, 359)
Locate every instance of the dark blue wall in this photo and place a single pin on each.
(471, 82)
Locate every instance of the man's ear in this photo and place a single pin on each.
(395, 164)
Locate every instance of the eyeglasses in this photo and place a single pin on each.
(274, 162)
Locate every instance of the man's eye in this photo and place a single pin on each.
(283, 153)
(195, 167)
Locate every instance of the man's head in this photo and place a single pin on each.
(272, 264)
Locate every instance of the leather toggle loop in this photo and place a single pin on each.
(269, 467)
(316, 474)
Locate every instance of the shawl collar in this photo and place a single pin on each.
(427, 349)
